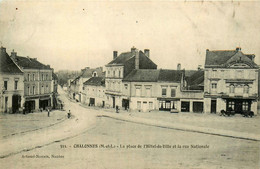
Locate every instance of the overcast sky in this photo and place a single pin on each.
(73, 35)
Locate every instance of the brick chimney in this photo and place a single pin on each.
(3, 49)
(147, 52)
(179, 66)
(238, 48)
(136, 59)
(133, 50)
(114, 54)
(13, 54)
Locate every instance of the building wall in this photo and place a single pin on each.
(11, 78)
(38, 86)
(96, 92)
(231, 82)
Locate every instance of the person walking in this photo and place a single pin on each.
(69, 114)
(48, 110)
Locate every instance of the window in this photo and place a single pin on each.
(126, 86)
(5, 85)
(47, 90)
(28, 77)
(15, 85)
(94, 74)
(137, 90)
(163, 91)
(46, 77)
(119, 73)
(42, 91)
(232, 88)
(246, 89)
(33, 90)
(214, 85)
(245, 106)
(139, 105)
(42, 77)
(108, 72)
(173, 92)
(150, 105)
(28, 90)
(83, 88)
(33, 78)
(148, 91)
(231, 105)
(114, 73)
(173, 104)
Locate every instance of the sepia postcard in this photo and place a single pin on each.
(139, 84)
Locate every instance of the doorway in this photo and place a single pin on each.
(114, 101)
(213, 106)
(16, 103)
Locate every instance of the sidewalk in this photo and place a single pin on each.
(12, 124)
(236, 126)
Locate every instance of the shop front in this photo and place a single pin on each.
(168, 104)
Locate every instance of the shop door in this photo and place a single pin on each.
(198, 107)
(213, 106)
(114, 102)
(238, 106)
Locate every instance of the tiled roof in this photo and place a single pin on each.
(196, 81)
(7, 65)
(154, 75)
(87, 73)
(54, 76)
(223, 57)
(124, 57)
(95, 81)
(30, 63)
(142, 75)
(167, 75)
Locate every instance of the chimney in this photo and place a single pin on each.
(3, 49)
(114, 54)
(179, 66)
(48, 66)
(147, 52)
(136, 59)
(238, 48)
(133, 50)
(207, 50)
(13, 54)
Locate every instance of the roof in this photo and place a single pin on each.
(95, 81)
(195, 81)
(223, 57)
(154, 75)
(124, 57)
(87, 72)
(7, 65)
(54, 76)
(30, 63)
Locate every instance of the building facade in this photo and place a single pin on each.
(37, 83)
(94, 92)
(11, 83)
(231, 81)
(119, 68)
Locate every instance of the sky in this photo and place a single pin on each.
(77, 34)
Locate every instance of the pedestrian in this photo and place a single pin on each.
(117, 109)
(61, 106)
(48, 112)
(69, 114)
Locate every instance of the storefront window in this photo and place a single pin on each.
(231, 105)
(245, 106)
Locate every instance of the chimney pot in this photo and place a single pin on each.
(3, 49)
(133, 50)
(207, 50)
(114, 54)
(179, 66)
(238, 49)
(147, 52)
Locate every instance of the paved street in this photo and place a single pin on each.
(222, 152)
(119, 144)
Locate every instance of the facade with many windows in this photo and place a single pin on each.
(37, 83)
(118, 69)
(231, 81)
